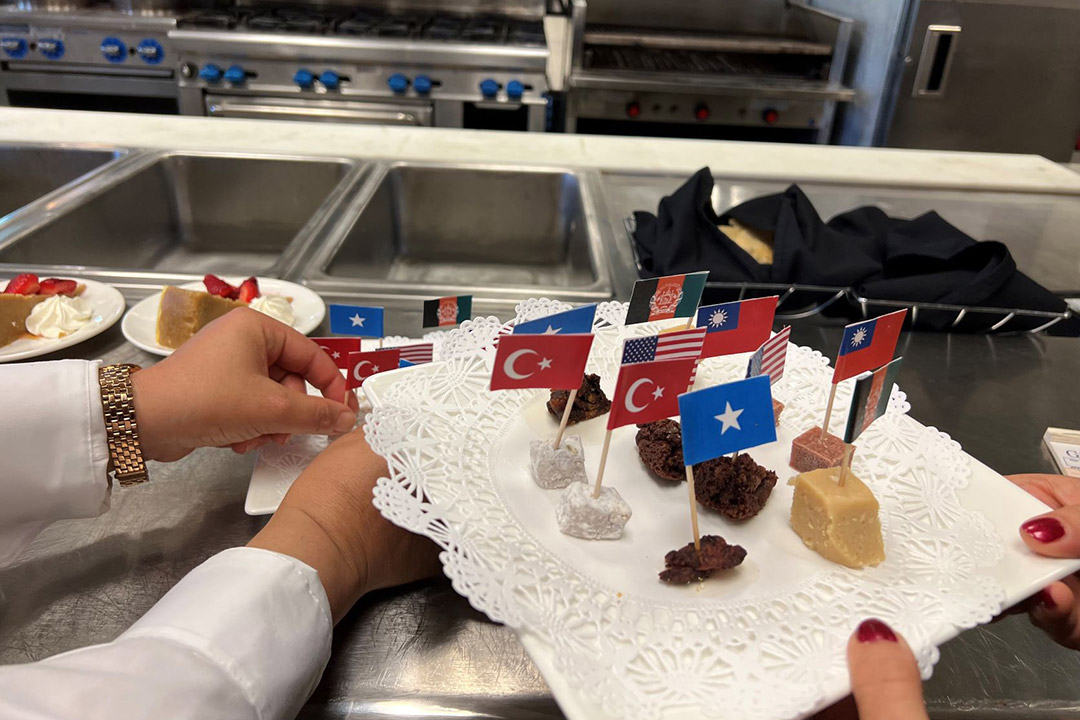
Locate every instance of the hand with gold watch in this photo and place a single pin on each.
(239, 383)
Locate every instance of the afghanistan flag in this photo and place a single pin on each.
(870, 399)
(673, 296)
(445, 311)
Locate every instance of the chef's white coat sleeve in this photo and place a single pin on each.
(244, 635)
(53, 455)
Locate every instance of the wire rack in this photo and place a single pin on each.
(797, 301)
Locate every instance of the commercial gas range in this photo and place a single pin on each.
(356, 64)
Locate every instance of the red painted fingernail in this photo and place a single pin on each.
(874, 630)
(1044, 599)
(1044, 529)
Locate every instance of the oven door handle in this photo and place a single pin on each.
(338, 112)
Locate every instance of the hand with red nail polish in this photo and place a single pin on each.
(1055, 609)
(885, 682)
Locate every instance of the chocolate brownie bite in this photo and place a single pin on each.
(737, 489)
(591, 401)
(688, 564)
(659, 446)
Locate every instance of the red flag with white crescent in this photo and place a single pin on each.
(339, 348)
(649, 391)
(555, 362)
(363, 365)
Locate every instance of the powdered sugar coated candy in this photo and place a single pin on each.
(814, 450)
(553, 468)
(581, 515)
(777, 408)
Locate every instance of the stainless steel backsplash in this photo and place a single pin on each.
(517, 8)
(731, 16)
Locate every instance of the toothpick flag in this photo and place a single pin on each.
(649, 391)
(447, 311)
(363, 365)
(870, 399)
(339, 348)
(677, 345)
(356, 320)
(667, 297)
(868, 345)
(770, 357)
(736, 327)
(418, 353)
(726, 418)
(577, 321)
(540, 361)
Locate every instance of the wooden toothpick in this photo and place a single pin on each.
(565, 417)
(693, 506)
(689, 322)
(603, 462)
(845, 464)
(828, 412)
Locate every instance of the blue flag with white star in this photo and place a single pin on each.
(571, 322)
(356, 320)
(726, 418)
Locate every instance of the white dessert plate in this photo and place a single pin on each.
(140, 323)
(108, 306)
(764, 641)
(276, 467)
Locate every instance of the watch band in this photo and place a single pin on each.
(121, 426)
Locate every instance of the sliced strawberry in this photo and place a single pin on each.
(249, 290)
(217, 286)
(25, 284)
(58, 286)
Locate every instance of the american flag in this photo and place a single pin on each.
(417, 354)
(770, 357)
(678, 345)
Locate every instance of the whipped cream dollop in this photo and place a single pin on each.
(58, 316)
(276, 307)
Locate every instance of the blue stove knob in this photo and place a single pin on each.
(422, 84)
(15, 48)
(113, 50)
(305, 79)
(489, 88)
(51, 48)
(398, 83)
(330, 80)
(514, 90)
(235, 75)
(211, 73)
(150, 51)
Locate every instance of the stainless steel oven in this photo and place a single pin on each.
(341, 111)
(87, 60)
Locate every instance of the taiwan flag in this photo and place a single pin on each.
(649, 391)
(673, 296)
(572, 322)
(868, 345)
(339, 348)
(555, 362)
(452, 310)
(726, 418)
(356, 320)
(870, 399)
(736, 327)
(363, 365)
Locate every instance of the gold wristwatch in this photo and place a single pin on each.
(121, 426)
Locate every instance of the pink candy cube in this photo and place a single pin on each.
(814, 450)
(777, 408)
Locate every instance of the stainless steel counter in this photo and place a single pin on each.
(423, 652)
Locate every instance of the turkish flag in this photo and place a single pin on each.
(649, 391)
(339, 348)
(555, 362)
(363, 365)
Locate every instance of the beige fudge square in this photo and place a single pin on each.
(839, 523)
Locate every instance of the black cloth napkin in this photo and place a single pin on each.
(924, 260)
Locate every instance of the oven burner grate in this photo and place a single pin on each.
(802, 67)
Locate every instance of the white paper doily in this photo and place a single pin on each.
(770, 644)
